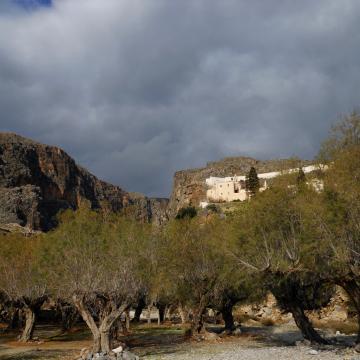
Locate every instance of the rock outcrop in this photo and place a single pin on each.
(189, 185)
(37, 181)
(269, 313)
(147, 209)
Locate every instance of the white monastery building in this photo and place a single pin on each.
(232, 188)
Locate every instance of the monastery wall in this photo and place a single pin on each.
(232, 188)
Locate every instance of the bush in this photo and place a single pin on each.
(187, 212)
(213, 208)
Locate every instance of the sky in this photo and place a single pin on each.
(31, 4)
(135, 90)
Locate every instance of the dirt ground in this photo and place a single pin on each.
(51, 345)
(170, 342)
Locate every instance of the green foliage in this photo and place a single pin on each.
(312, 293)
(199, 268)
(186, 212)
(252, 182)
(20, 267)
(344, 135)
(301, 177)
(341, 203)
(92, 254)
(303, 241)
(275, 229)
(212, 208)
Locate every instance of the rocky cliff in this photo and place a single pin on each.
(36, 181)
(150, 209)
(189, 185)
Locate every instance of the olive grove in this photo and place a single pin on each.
(297, 240)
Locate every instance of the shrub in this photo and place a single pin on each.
(186, 212)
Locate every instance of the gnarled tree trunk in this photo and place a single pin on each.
(106, 324)
(69, 316)
(105, 341)
(184, 314)
(226, 312)
(102, 334)
(30, 309)
(292, 295)
(161, 315)
(139, 308)
(28, 331)
(13, 318)
(127, 320)
(197, 323)
(90, 322)
(305, 325)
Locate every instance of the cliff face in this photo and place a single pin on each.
(189, 185)
(36, 181)
(153, 210)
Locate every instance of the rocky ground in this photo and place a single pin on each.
(254, 342)
(235, 351)
(261, 343)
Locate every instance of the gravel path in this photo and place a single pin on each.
(273, 343)
(241, 352)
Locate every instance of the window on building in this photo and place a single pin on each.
(236, 188)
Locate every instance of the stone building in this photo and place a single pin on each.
(233, 188)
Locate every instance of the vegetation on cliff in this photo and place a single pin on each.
(189, 187)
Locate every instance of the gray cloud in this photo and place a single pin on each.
(137, 89)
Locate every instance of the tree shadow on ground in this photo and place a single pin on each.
(147, 341)
(37, 355)
(265, 335)
(151, 341)
(285, 336)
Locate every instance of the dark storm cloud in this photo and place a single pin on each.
(137, 89)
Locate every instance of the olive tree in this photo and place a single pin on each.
(339, 216)
(198, 267)
(21, 278)
(340, 224)
(237, 287)
(276, 238)
(155, 289)
(92, 263)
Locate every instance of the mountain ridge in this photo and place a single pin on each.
(37, 181)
